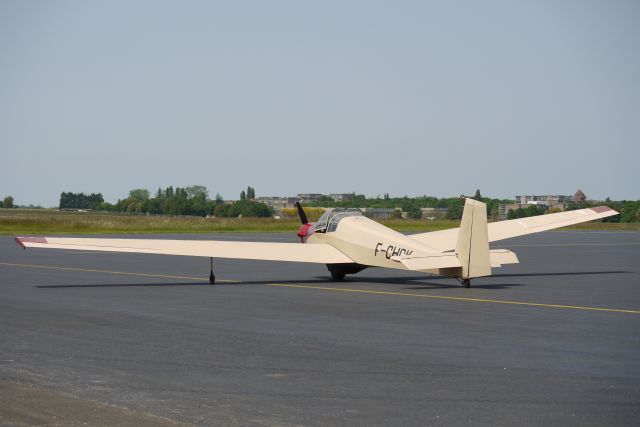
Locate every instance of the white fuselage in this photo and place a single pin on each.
(369, 243)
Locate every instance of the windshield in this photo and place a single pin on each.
(328, 222)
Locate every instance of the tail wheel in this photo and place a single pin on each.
(337, 277)
(466, 283)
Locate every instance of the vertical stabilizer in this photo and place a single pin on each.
(473, 241)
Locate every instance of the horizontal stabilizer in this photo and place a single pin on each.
(448, 260)
(498, 257)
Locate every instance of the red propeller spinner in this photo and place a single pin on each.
(306, 229)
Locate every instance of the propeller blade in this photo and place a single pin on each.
(303, 216)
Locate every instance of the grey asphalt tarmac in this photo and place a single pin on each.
(105, 338)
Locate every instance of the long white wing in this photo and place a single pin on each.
(318, 253)
(446, 240)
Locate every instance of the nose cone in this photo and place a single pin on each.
(305, 231)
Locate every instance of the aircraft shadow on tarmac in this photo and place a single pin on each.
(125, 285)
(415, 282)
(321, 280)
(579, 273)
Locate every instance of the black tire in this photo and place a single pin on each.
(212, 278)
(337, 277)
(466, 283)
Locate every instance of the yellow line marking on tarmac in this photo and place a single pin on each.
(126, 273)
(404, 294)
(327, 288)
(90, 252)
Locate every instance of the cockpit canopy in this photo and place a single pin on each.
(328, 222)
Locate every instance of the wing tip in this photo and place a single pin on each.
(604, 209)
(22, 240)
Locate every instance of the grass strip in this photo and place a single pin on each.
(50, 221)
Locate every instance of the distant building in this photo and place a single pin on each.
(278, 203)
(579, 197)
(503, 210)
(540, 203)
(550, 200)
(434, 212)
(545, 201)
(379, 213)
(557, 201)
(341, 197)
(310, 197)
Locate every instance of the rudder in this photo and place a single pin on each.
(472, 248)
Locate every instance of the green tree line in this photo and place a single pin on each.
(7, 202)
(195, 200)
(531, 210)
(80, 200)
(192, 200)
(412, 205)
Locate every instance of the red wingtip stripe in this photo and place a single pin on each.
(21, 240)
(601, 209)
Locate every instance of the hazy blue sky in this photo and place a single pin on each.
(413, 98)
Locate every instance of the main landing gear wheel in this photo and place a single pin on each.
(466, 283)
(337, 277)
(212, 277)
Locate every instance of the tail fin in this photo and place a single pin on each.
(473, 241)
